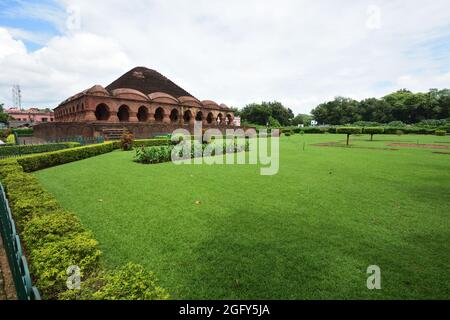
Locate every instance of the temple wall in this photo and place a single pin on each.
(58, 130)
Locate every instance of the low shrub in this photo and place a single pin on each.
(10, 151)
(314, 130)
(440, 133)
(153, 142)
(151, 155)
(130, 282)
(50, 227)
(349, 131)
(126, 142)
(25, 132)
(392, 130)
(11, 139)
(46, 160)
(332, 130)
(372, 131)
(51, 260)
(159, 154)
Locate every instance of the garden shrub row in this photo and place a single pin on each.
(50, 159)
(159, 154)
(10, 151)
(55, 239)
(386, 130)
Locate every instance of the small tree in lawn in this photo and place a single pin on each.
(348, 131)
(372, 131)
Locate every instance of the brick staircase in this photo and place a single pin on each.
(114, 133)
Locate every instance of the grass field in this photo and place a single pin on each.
(309, 232)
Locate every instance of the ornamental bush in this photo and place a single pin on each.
(11, 139)
(126, 142)
(440, 133)
(153, 155)
(372, 131)
(130, 282)
(51, 260)
(349, 131)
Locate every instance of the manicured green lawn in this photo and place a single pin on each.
(308, 232)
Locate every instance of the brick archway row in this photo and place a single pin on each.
(126, 112)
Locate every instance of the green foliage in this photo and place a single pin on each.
(130, 282)
(126, 142)
(197, 245)
(310, 130)
(51, 227)
(11, 139)
(261, 114)
(46, 160)
(440, 133)
(151, 155)
(159, 154)
(32, 149)
(396, 109)
(304, 119)
(274, 123)
(373, 130)
(349, 130)
(396, 124)
(24, 132)
(4, 117)
(51, 260)
(55, 239)
(153, 142)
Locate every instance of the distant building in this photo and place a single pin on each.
(29, 117)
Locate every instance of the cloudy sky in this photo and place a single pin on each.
(235, 52)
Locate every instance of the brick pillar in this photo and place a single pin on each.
(133, 117)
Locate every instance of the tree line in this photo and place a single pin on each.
(403, 105)
(400, 106)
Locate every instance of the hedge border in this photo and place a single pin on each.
(16, 151)
(51, 243)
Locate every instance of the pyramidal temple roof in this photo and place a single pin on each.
(147, 81)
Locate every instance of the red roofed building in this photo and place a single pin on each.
(142, 101)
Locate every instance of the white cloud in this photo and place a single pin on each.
(237, 52)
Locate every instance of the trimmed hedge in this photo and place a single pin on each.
(440, 133)
(50, 159)
(373, 130)
(25, 132)
(349, 130)
(55, 239)
(159, 154)
(153, 142)
(123, 283)
(11, 151)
